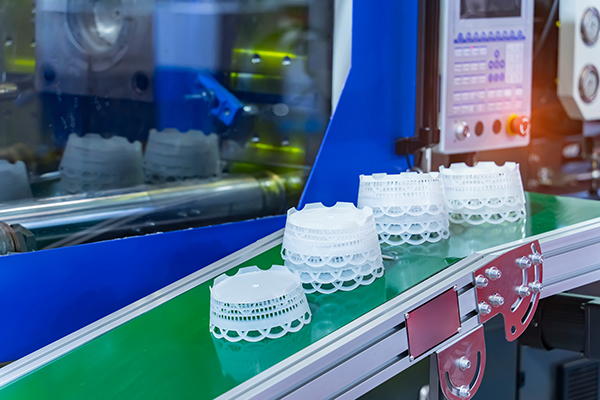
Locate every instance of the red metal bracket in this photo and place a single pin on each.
(511, 286)
(461, 366)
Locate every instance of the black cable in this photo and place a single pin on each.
(408, 161)
(546, 31)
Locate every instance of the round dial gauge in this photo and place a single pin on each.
(590, 26)
(588, 83)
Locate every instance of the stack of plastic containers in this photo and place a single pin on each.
(484, 193)
(175, 156)
(332, 248)
(408, 207)
(254, 304)
(14, 182)
(93, 163)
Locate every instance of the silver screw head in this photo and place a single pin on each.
(524, 262)
(464, 392)
(484, 308)
(481, 281)
(536, 258)
(496, 300)
(493, 273)
(463, 363)
(523, 291)
(536, 287)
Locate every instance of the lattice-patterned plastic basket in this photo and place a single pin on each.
(255, 304)
(484, 193)
(14, 181)
(332, 248)
(93, 163)
(408, 207)
(174, 156)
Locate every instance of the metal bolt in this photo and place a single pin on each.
(523, 262)
(523, 291)
(536, 287)
(411, 358)
(484, 308)
(406, 316)
(464, 392)
(537, 258)
(463, 363)
(481, 281)
(496, 300)
(493, 273)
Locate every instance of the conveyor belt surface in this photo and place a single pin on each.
(168, 352)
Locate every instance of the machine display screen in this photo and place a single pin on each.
(489, 8)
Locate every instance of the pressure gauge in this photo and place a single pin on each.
(588, 83)
(590, 26)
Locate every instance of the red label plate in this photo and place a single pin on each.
(432, 323)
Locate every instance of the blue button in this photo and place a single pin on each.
(495, 77)
(501, 63)
(512, 35)
(505, 35)
(497, 53)
(490, 77)
(491, 64)
(491, 36)
(498, 36)
(469, 38)
(502, 77)
(476, 37)
(461, 39)
(496, 64)
(520, 35)
(483, 37)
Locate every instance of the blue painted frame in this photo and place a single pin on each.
(49, 294)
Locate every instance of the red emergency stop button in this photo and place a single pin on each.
(519, 125)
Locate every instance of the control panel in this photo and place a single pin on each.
(485, 74)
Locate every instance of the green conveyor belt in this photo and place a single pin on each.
(168, 352)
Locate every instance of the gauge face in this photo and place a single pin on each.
(588, 83)
(590, 26)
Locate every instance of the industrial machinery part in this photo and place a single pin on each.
(579, 59)
(568, 322)
(71, 220)
(16, 239)
(486, 72)
(95, 48)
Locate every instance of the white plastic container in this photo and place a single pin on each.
(485, 193)
(92, 163)
(255, 304)
(332, 248)
(408, 207)
(174, 156)
(14, 181)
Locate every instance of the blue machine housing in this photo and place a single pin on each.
(49, 294)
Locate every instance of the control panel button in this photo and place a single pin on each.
(456, 97)
(483, 51)
(519, 125)
(519, 92)
(497, 126)
(462, 130)
(458, 52)
(479, 128)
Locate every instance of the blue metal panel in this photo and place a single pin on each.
(377, 104)
(49, 294)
